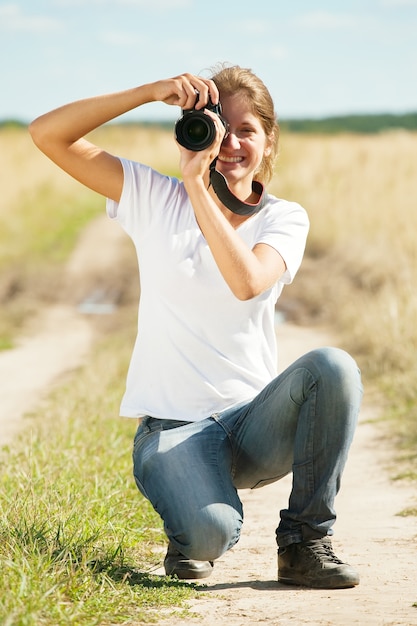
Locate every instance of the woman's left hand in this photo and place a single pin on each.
(197, 163)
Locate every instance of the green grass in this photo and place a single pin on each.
(78, 543)
(44, 226)
(36, 239)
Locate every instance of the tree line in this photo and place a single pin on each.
(355, 123)
(372, 123)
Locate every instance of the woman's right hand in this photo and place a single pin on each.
(60, 133)
(182, 91)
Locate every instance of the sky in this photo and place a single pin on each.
(318, 58)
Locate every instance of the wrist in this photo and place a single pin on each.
(196, 185)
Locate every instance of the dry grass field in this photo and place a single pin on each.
(359, 275)
(77, 543)
(359, 272)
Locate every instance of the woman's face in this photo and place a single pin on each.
(245, 145)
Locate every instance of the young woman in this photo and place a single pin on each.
(215, 251)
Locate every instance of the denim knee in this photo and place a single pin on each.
(337, 365)
(209, 533)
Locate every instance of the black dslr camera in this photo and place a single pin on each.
(195, 130)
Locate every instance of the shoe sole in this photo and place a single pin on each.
(184, 574)
(332, 582)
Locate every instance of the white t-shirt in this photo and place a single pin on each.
(199, 350)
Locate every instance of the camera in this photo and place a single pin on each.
(195, 130)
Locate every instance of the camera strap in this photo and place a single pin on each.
(222, 191)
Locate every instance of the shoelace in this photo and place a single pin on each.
(322, 550)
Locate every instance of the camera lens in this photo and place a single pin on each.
(195, 131)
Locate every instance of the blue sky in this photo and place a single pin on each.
(318, 58)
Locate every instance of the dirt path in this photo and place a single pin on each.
(243, 590)
(369, 534)
(29, 371)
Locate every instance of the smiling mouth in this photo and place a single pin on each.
(226, 159)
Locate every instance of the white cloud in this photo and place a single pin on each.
(324, 20)
(155, 5)
(119, 38)
(143, 43)
(270, 53)
(399, 3)
(254, 26)
(13, 19)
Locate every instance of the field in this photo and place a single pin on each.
(70, 525)
(359, 272)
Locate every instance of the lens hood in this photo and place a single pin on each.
(195, 130)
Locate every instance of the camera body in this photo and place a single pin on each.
(195, 130)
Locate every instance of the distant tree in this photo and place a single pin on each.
(372, 123)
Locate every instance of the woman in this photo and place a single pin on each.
(215, 251)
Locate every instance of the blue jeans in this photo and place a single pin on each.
(303, 421)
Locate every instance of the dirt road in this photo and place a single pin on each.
(369, 534)
(243, 590)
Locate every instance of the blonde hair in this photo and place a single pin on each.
(233, 79)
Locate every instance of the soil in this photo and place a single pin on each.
(370, 533)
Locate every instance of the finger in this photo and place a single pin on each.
(191, 90)
(182, 92)
(207, 92)
(198, 91)
(220, 128)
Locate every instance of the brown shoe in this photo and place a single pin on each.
(176, 564)
(314, 564)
